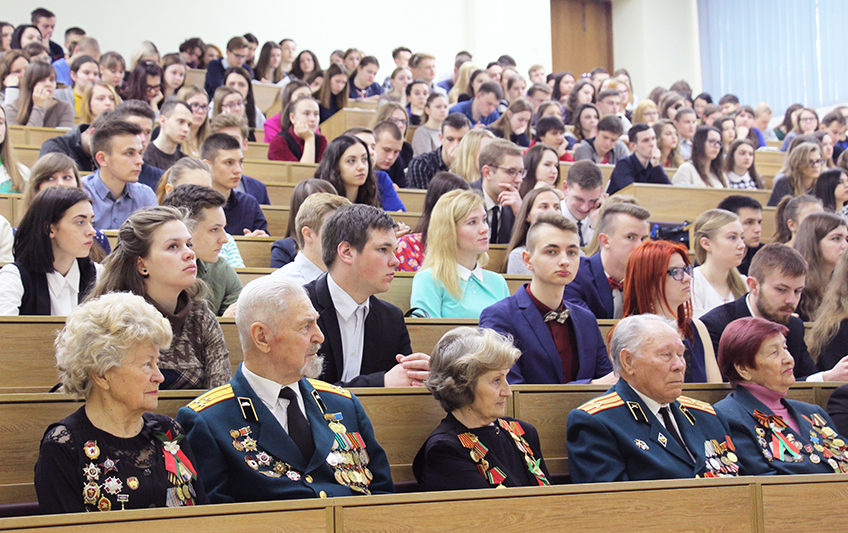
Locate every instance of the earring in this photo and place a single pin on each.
(144, 274)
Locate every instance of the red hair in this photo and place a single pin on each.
(644, 282)
(740, 342)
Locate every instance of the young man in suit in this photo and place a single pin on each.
(583, 188)
(600, 280)
(367, 343)
(502, 167)
(237, 54)
(236, 126)
(560, 342)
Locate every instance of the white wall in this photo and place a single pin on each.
(657, 42)
(440, 27)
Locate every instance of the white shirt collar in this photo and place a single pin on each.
(750, 308)
(464, 273)
(307, 267)
(488, 200)
(267, 390)
(343, 302)
(56, 282)
(653, 405)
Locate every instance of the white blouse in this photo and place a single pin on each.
(64, 290)
(704, 296)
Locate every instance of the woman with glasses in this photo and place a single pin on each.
(239, 79)
(800, 172)
(705, 168)
(452, 282)
(229, 100)
(198, 100)
(806, 123)
(719, 250)
(658, 281)
(145, 84)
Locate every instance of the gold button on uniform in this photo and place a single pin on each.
(322, 494)
(308, 478)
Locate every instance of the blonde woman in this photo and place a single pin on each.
(467, 161)
(719, 249)
(13, 174)
(463, 81)
(195, 96)
(799, 174)
(514, 123)
(98, 98)
(829, 335)
(646, 112)
(452, 282)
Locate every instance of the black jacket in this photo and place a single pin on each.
(70, 144)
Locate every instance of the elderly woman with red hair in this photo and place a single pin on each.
(772, 435)
(657, 281)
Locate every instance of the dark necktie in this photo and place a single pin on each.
(671, 428)
(580, 233)
(495, 222)
(615, 284)
(299, 429)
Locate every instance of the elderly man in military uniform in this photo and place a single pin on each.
(271, 433)
(642, 428)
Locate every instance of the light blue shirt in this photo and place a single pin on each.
(480, 289)
(111, 213)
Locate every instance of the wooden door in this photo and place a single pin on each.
(581, 35)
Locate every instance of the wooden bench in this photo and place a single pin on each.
(196, 76)
(31, 136)
(280, 193)
(265, 94)
(278, 218)
(11, 207)
(27, 154)
(606, 170)
(345, 119)
(256, 151)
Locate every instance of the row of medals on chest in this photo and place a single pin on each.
(825, 442)
(113, 485)
(348, 458)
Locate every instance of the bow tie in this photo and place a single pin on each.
(615, 284)
(560, 317)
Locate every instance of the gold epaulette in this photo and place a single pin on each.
(685, 401)
(602, 403)
(323, 386)
(211, 397)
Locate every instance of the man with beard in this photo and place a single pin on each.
(271, 433)
(776, 281)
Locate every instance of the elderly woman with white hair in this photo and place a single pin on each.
(112, 453)
(476, 446)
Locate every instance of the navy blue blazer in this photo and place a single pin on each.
(837, 407)
(257, 189)
(215, 75)
(506, 221)
(737, 410)
(591, 289)
(540, 363)
(225, 470)
(615, 437)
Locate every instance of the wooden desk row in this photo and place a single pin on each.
(402, 420)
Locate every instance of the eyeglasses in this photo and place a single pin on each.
(816, 162)
(154, 88)
(233, 105)
(513, 172)
(807, 119)
(199, 107)
(680, 273)
(714, 143)
(399, 121)
(240, 56)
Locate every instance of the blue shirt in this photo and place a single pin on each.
(480, 289)
(63, 72)
(465, 109)
(388, 195)
(109, 212)
(150, 176)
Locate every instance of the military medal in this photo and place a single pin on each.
(662, 440)
(104, 504)
(249, 444)
(90, 493)
(292, 475)
(109, 465)
(132, 483)
(251, 462)
(91, 450)
(238, 445)
(334, 420)
(281, 467)
(263, 459)
(113, 485)
(123, 499)
(815, 459)
(641, 444)
(91, 472)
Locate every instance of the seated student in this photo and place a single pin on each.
(605, 148)
(719, 249)
(686, 123)
(705, 169)
(583, 196)
(75, 45)
(175, 119)
(240, 79)
(333, 94)
(821, 240)
(830, 329)
(427, 137)
(668, 143)
(205, 222)
(223, 153)
(197, 99)
(466, 163)
(279, 335)
(482, 109)
(452, 282)
(145, 84)
(52, 272)
(776, 280)
(389, 199)
(642, 428)
(739, 164)
(313, 212)
(112, 70)
(750, 213)
(791, 212)
(417, 93)
(539, 200)
(299, 139)
(539, 93)
(237, 51)
(36, 105)
(174, 70)
(98, 98)
(550, 131)
(806, 122)
(395, 113)
(84, 71)
(411, 246)
(835, 123)
(646, 112)
(394, 87)
(599, 283)
(542, 164)
(44, 21)
(236, 126)
(367, 343)
(192, 171)
(362, 84)
(13, 175)
(799, 173)
(658, 280)
(514, 123)
(832, 189)
(727, 126)
(744, 120)
(609, 104)
(422, 169)
(294, 90)
(825, 139)
(502, 168)
(560, 341)
(389, 150)
(641, 167)
(154, 259)
(191, 50)
(114, 187)
(283, 251)
(141, 114)
(729, 104)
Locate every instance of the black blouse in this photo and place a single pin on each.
(444, 463)
(115, 473)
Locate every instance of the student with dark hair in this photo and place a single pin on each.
(224, 154)
(174, 71)
(145, 84)
(141, 114)
(25, 34)
(583, 188)
(643, 166)
(305, 64)
(582, 93)
(236, 126)
(269, 65)
(45, 21)
(605, 148)
(401, 56)
(362, 84)
(700, 103)
(482, 109)
(333, 95)
(502, 169)
(550, 131)
(76, 144)
(389, 150)
(729, 104)
(191, 50)
(175, 119)
(36, 105)
(705, 169)
(240, 79)
(237, 53)
(832, 189)
(514, 124)
(283, 251)
(289, 49)
(750, 213)
(686, 122)
(347, 166)
(112, 70)
(739, 164)
(114, 187)
(426, 137)
(84, 71)
(52, 272)
(422, 169)
(299, 139)
(744, 119)
(205, 221)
